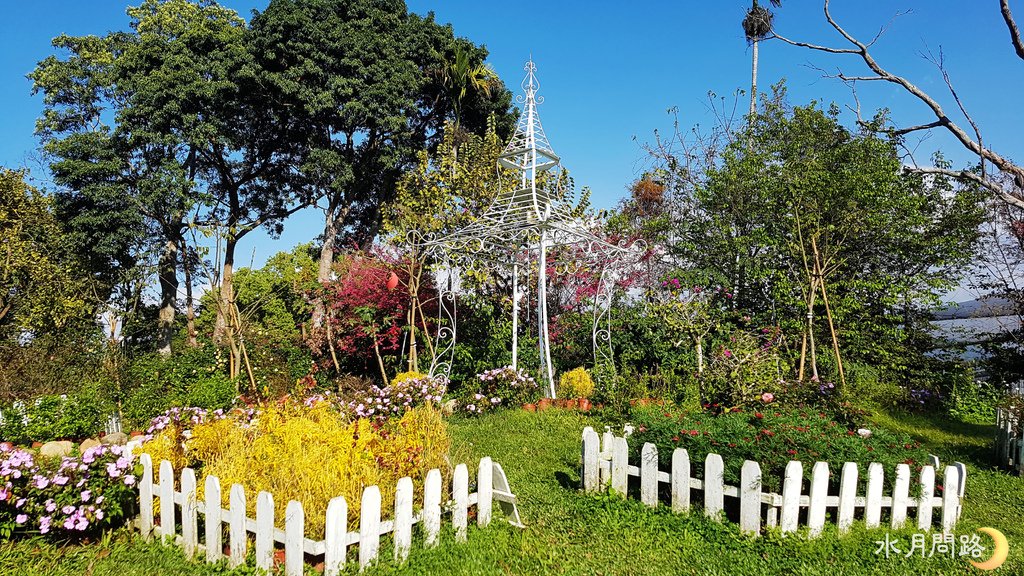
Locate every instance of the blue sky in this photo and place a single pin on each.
(609, 71)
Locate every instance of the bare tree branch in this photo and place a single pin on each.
(909, 129)
(972, 144)
(986, 183)
(1018, 45)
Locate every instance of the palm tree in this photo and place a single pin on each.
(460, 75)
(757, 24)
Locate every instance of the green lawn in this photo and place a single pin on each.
(571, 533)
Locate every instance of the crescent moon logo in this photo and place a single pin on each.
(1002, 548)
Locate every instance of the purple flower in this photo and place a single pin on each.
(21, 518)
(129, 480)
(112, 470)
(86, 494)
(60, 480)
(41, 482)
(44, 524)
(68, 509)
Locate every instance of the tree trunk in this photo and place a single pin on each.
(190, 309)
(333, 217)
(168, 275)
(753, 81)
(227, 292)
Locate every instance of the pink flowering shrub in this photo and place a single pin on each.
(67, 497)
(505, 386)
(396, 398)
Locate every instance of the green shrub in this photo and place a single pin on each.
(771, 437)
(52, 417)
(972, 400)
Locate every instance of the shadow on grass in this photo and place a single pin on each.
(944, 436)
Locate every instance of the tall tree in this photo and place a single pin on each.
(42, 284)
(803, 202)
(356, 76)
(757, 24)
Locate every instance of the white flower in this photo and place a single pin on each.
(864, 433)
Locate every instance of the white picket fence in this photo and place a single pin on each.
(605, 463)
(1009, 445)
(181, 507)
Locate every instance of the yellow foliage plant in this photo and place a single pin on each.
(576, 383)
(312, 454)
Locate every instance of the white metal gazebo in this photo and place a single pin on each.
(523, 223)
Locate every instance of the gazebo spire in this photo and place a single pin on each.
(529, 134)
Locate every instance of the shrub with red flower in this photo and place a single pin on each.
(366, 318)
(771, 439)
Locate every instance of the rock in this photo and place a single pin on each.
(448, 408)
(88, 443)
(115, 438)
(56, 449)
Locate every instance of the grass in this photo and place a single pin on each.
(573, 533)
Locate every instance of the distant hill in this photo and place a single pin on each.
(981, 308)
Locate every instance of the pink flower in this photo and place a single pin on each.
(767, 397)
(21, 518)
(112, 470)
(728, 353)
(86, 494)
(129, 480)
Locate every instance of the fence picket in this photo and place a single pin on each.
(900, 495)
(492, 485)
(189, 513)
(680, 480)
(336, 536)
(369, 526)
(818, 494)
(264, 544)
(605, 473)
(620, 466)
(714, 476)
(236, 526)
(460, 494)
(166, 501)
(212, 520)
(847, 496)
(403, 517)
(950, 498)
(146, 496)
(294, 534)
(873, 501)
(432, 507)
(750, 497)
(649, 475)
(924, 503)
(591, 466)
(791, 487)
(484, 491)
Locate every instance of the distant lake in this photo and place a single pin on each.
(972, 330)
(969, 330)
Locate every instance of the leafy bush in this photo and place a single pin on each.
(771, 437)
(79, 415)
(972, 400)
(66, 497)
(398, 397)
(505, 386)
(744, 368)
(192, 377)
(311, 453)
(576, 383)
